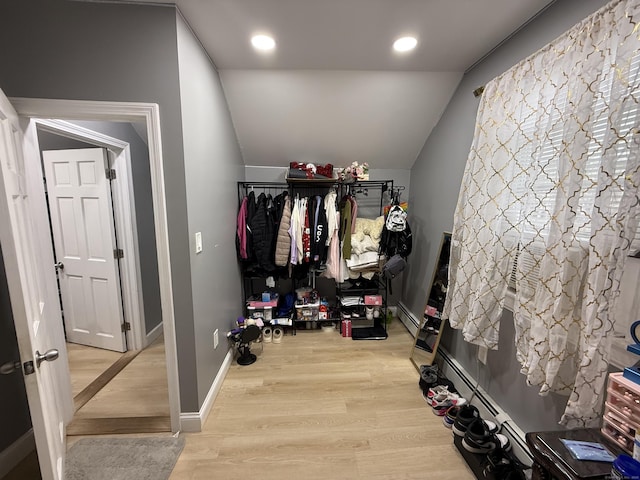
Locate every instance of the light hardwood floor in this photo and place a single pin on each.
(319, 406)
(135, 400)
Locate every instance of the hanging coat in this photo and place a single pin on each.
(283, 241)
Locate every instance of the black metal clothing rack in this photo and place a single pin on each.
(381, 193)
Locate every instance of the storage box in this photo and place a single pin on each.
(256, 302)
(266, 313)
(361, 322)
(307, 312)
(345, 328)
(621, 418)
(373, 300)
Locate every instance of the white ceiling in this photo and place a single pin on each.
(333, 90)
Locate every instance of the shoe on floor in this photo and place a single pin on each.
(504, 465)
(449, 417)
(437, 390)
(443, 401)
(478, 439)
(465, 416)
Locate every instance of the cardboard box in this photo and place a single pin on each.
(345, 328)
(373, 300)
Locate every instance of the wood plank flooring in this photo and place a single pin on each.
(319, 406)
(316, 406)
(134, 400)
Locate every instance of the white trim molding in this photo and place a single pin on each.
(150, 114)
(193, 421)
(408, 319)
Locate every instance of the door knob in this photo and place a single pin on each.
(59, 266)
(48, 356)
(9, 367)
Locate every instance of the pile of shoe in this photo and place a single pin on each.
(481, 437)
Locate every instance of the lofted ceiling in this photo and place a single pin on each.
(333, 90)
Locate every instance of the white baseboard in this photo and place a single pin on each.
(16, 452)
(408, 319)
(193, 421)
(489, 409)
(153, 335)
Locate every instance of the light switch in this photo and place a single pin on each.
(198, 242)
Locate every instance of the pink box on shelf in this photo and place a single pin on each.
(373, 299)
(255, 303)
(431, 311)
(346, 328)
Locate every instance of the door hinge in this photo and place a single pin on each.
(126, 326)
(111, 174)
(118, 253)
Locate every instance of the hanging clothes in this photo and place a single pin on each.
(241, 231)
(283, 241)
(346, 208)
(262, 231)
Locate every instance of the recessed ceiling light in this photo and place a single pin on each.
(263, 42)
(405, 44)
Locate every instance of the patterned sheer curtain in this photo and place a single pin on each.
(549, 206)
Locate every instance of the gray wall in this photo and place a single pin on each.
(213, 165)
(14, 409)
(438, 171)
(112, 52)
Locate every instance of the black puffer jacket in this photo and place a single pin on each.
(263, 233)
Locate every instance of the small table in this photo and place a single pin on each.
(552, 460)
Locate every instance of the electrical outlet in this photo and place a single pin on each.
(198, 242)
(482, 354)
(215, 339)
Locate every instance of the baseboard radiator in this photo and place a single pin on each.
(467, 385)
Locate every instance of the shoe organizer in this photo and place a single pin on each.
(621, 416)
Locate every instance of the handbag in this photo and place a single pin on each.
(394, 266)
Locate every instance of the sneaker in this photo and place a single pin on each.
(465, 416)
(500, 464)
(442, 402)
(429, 373)
(477, 438)
(437, 390)
(449, 417)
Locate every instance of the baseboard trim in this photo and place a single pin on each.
(408, 319)
(16, 452)
(193, 421)
(488, 407)
(153, 335)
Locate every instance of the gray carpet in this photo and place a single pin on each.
(151, 458)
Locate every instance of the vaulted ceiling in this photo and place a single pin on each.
(333, 90)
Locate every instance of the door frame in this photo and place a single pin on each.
(125, 221)
(130, 112)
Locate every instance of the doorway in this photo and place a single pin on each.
(81, 166)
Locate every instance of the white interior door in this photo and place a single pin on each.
(85, 240)
(36, 314)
